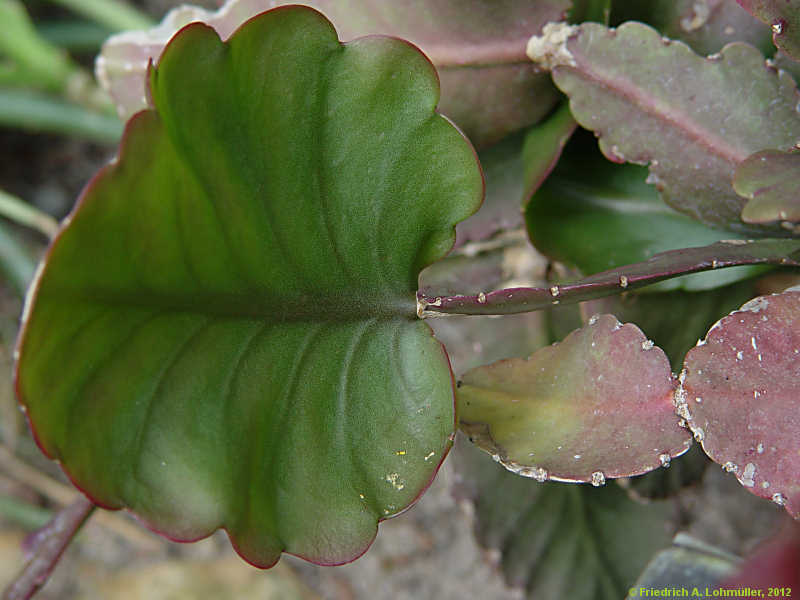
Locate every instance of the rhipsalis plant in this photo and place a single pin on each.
(230, 329)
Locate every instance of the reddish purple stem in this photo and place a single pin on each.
(47, 546)
(665, 265)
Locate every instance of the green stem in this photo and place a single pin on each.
(16, 262)
(114, 14)
(23, 213)
(39, 112)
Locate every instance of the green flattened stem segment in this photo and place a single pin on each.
(223, 332)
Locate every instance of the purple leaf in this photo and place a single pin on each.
(570, 413)
(784, 18)
(739, 396)
(770, 180)
(654, 101)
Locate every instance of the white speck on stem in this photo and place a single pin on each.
(647, 344)
(481, 298)
(554, 291)
(665, 460)
(779, 499)
(598, 479)
(623, 281)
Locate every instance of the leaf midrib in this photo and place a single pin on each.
(336, 308)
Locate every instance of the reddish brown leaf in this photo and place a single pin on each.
(653, 101)
(739, 396)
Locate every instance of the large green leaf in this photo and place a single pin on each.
(224, 332)
(654, 102)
